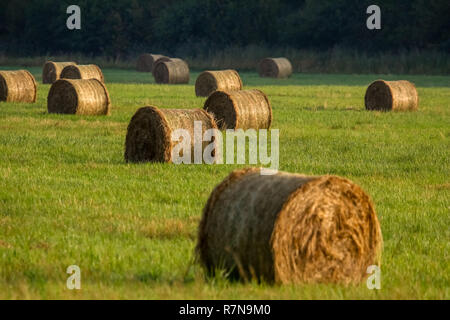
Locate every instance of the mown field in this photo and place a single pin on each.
(67, 196)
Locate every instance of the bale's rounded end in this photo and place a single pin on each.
(62, 98)
(205, 84)
(327, 231)
(49, 73)
(378, 96)
(148, 137)
(221, 106)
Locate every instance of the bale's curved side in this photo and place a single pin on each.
(52, 71)
(17, 86)
(240, 109)
(150, 129)
(80, 96)
(174, 71)
(88, 71)
(289, 228)
(391, 95)
(275, 68)
(211, 81)
(145, 62)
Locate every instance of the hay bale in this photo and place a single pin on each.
(17, 86)
(391, 95)
(149, 132)
(79, 96)
(289, 228)
(52, 71)
(211, 81)
(146, 61)
(174, 71)
(275, 68)
(240, 109)
(88, 71)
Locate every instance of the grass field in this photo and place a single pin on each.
(67, 196)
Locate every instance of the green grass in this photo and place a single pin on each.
(67, 196)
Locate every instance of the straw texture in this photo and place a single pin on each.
(289, 228)
(17, 86)
(52, 71)
(391, 95)
(82, 97)
(88, 71)
(211, 81)
(240, 109)
(149, 132)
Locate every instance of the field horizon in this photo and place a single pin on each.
(68, 197)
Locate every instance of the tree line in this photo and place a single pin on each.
(120, 28)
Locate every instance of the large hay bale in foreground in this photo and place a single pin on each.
(79, 96)
(88, 71)
(146, 61)
(289, 228)
(275, 68)
(211, 81)
(174, 71)
(391, 95)
(17, 86)
(240, 109)
(52, 71)
(150, 129)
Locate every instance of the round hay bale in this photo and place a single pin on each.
(174, 71)
(211, 81)
(150, 129)
(391, 95)
(80, 96)
(275, 68)
(146, 61)
(88, 71)
(17, 86)
(240, 109)
(289, 228)
(52, 71)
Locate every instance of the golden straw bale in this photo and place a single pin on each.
(240, 109)
(79, 96)
(289, 228)
(211, 81)
(17, 86)
(149, 132)
(391, 95)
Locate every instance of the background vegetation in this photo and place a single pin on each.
(320, 36)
